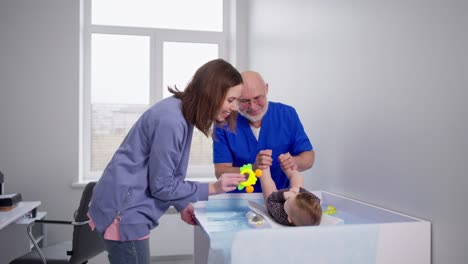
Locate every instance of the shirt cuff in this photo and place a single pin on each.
(202, 194)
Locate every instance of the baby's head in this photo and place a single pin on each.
(303, 209)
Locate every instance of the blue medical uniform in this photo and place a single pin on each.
(281, 131)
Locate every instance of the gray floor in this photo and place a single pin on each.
(180, 259)
(173, 260)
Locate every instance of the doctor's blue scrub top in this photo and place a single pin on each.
(281, 131)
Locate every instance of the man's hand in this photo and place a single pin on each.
(226, 183)
(287, 162)
(263, 160)
(188, 215)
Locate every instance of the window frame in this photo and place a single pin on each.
(157, 38)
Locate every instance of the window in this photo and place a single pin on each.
(132, 51)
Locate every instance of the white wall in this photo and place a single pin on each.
(39, 102)
(381, 89)
(39, 118)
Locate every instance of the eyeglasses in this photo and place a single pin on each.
(255, 100)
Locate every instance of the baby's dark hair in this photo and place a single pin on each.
(309, 211)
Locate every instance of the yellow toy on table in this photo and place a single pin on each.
(251, 178)
(330, 210)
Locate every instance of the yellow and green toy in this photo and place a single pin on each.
(251, 178)
(330, 210)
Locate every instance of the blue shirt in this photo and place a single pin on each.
(281, 131)
(146, 175)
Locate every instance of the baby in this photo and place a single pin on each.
(294, 206)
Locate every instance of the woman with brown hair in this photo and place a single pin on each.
(147, 173)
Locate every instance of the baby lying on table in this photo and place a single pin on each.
(294, 206)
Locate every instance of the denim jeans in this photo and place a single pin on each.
(128, 252)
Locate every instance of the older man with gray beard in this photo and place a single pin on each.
(269, 134)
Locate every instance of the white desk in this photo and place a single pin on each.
(17, 213)
(14, 240)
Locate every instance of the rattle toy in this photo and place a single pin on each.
(251, 178)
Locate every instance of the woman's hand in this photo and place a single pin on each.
(226, 183)
(188, 215)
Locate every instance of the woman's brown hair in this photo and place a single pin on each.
(205, 94)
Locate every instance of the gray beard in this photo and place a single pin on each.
(255, 118)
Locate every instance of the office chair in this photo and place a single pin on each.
(85, 245)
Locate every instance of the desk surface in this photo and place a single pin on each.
(8, 217)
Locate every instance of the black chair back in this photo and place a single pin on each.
(86, 243)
